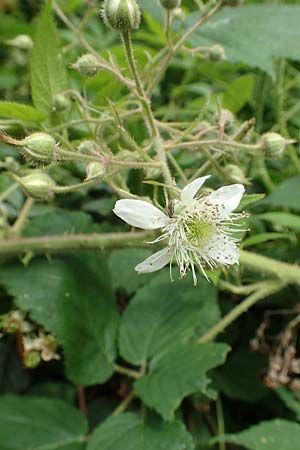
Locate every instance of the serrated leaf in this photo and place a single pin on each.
(269, 435)
(128, 431)
(29, 423)
(281, 218)
(284, 194)
(163, 314)
(47, 71)
(177, 374)
(249, 34)
(71, 297)
(12, 110)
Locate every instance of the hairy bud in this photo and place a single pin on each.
(121, 15)
(87, 146)
(38, 185)
(87, 65)
(234, 174)
(60, 103)
(170, 4)
(23, 42)
(216, 53)
(95, 170)
(273, 145)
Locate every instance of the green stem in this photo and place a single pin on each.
(270, 287)
(221, 423)
(146, 105)
(16, 229)
(124, 405)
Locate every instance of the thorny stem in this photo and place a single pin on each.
(146, 105)
(213, 142)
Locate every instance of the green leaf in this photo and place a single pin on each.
(264, 237)
(290, 400)
(177, 374)
(249, 34)
(12, 110)
(284, 194)
(71, 297)
(248, 200)
(122, 263)
(270, 435)
(163, 313)
(127, 431)
(29, 423)
(48, 75)
(238, 93)
(240, 377)
(281, 218)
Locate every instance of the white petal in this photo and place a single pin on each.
(227, 197)
(223, 250)
(140, 214)
(155, 262)
(191, 189)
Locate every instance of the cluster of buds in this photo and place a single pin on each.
(35, 346)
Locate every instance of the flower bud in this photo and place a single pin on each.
(170, 4)
(39, 147)
(121, 15)
(11, 322)
(216, 53)
(38, 185)
(273, 145)
(87, 146)
(87, 65)
(235, 174)
(32, 359)
(95, 170)
(60, 103)
(23, 42)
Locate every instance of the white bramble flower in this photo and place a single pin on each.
(199, 232)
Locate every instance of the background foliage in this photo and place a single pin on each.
(93, 356)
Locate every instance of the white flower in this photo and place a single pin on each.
(199, 232)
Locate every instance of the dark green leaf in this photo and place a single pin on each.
(163, 313)
(249, 34)
(29, 423)
(179, 373)
(284, 194)
(275, 434)
(12, 110)
(281, 218)
(13, 377)
(127, 431)
(48, 76)
(71, 298)
(238, 93)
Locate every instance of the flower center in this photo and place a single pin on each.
(198, 232)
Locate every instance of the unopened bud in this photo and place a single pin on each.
(121, 15)
(235, 174)
(95, 170)
(23, 42)
(32, 359)
(87, 146)
(87, 65)
(273, 145)
(38, 185)
(170, 4)
(216, 53)
(38, 148)
(60, 103)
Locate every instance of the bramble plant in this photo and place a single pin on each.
(160, 144)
